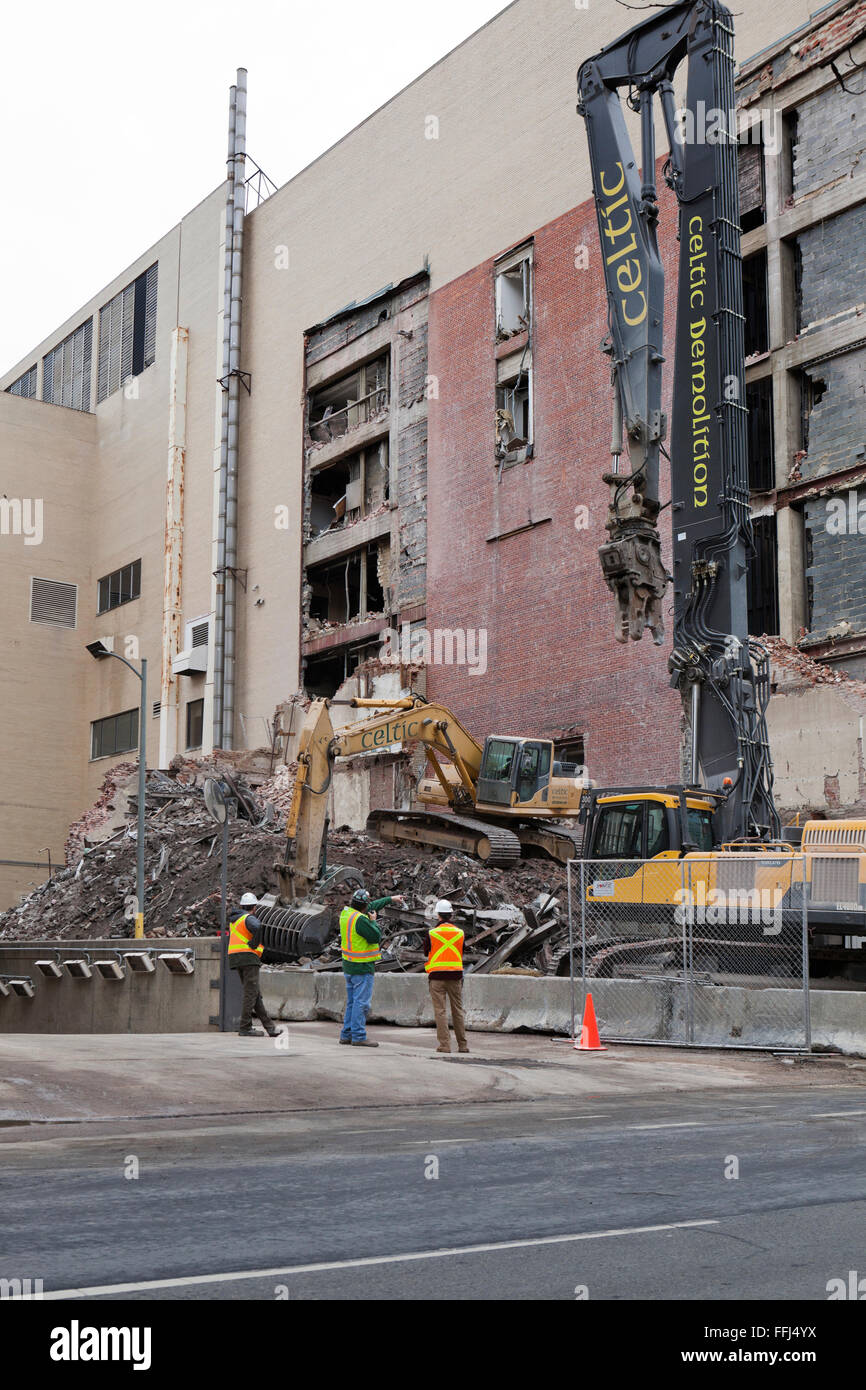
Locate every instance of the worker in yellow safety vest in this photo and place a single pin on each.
(445, 975)
(360, 946)
(245, 952)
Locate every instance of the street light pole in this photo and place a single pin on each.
(142, 782)
(99, 652)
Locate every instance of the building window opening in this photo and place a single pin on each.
(194, 724)
(759, 403)
(750, 169)
(569, 755)
(121, 586)
(346, 589)
(353, 400)
(755, 309)
(763, 582)
(127, 333)
(514, 417)
(348, 490)
(812, 391)
(514, 298)
(117, 734)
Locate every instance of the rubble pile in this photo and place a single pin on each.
(92, 896)
(799, 666)
(513, 919)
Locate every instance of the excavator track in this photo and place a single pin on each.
(557, 841)
(490, 843)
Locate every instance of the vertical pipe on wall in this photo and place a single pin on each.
(231, 522)
(173, 546)
(219, 607)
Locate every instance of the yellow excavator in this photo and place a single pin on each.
(489, 800)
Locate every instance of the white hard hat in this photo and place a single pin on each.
(249, 900)
(443, 907)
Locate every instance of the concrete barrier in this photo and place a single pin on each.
(636, 1009)
(157, 1002)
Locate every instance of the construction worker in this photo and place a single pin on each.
(245, 955)
(360, 940)
(445, 974)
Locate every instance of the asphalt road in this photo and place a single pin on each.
(559, 1196)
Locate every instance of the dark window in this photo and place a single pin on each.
(759, 401)
(121, 586)
(25, 385)
(700, 829)
(812, 389)
(569, 754)
(763, 587)
(757, 325)
(751, 181)
(657, 838)
(809, 560)
(499, 760)
(619, 832)
(66, 370)
(194, 723)
(117, 734)
(127, 333)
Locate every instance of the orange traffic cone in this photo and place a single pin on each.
(589, 1040)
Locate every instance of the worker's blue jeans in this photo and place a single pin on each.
(359, 992)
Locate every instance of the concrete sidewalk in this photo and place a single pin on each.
(57, 1078)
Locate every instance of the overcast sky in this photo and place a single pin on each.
(119, 119)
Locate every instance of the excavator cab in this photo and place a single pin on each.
(514, 771)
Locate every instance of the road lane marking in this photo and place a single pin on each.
(283, 1270)
(836, 1114)
(560, 1119)
(335, 1132)
(677, 1124)
(428, 1142)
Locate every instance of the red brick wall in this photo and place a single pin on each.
(553, 663)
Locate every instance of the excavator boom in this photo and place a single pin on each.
(721, 673)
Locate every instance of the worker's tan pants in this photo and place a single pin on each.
(440, 990)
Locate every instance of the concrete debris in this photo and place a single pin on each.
(92, 896)
(512, 918)
(796, 665)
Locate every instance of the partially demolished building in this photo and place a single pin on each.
(415, 491)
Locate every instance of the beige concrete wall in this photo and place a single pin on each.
(46, 453)
(103, 480)
(510, 156)
(816, 734)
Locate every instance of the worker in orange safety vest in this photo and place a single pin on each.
(445, 974)
(245, 951)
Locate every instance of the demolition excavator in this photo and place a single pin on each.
(726, 807)
(493, 801)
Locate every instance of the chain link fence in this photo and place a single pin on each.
(708, 950)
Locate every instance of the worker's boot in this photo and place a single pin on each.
(364, 1042)
(273, 1032)
(249, 1033)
